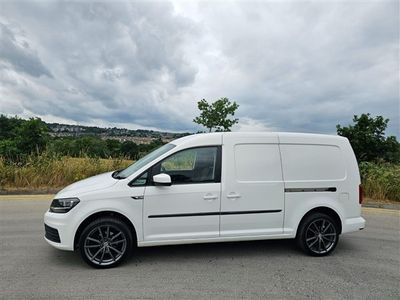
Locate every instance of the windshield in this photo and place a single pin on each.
(143, 161)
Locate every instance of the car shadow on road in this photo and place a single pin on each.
(195, 252)
(213, 251)
(206, 252)
(71, 259)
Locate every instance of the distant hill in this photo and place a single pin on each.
(140, 136)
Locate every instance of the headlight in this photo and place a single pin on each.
(63, 205)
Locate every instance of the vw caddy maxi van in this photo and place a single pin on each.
(213, 188)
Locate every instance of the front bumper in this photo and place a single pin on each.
(60, 223)
(51, 234)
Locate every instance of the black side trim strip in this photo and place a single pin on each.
(250, 212)
(300, 190)
(185, 215)
(216, 213)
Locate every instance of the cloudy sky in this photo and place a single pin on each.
(291, 66)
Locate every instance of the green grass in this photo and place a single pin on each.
(381, 181)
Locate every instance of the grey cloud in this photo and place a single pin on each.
(20, 54)
(308, 65)
(115, 61)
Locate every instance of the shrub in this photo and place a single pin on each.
(381, 181)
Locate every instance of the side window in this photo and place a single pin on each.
(196, 165)
(182, 161)
(140, 181)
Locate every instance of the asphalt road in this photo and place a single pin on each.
(366, 264)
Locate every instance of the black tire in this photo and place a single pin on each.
(105, 243)
(318, 234)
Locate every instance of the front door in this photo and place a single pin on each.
(189, 208)
(252, 198)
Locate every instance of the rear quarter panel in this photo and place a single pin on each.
(337, 168)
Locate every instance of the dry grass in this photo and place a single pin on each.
(43, 172)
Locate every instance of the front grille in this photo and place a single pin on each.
(51, 234)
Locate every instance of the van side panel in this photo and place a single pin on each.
(319, 172)
(310, 164)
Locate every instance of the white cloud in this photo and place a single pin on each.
(248, 124)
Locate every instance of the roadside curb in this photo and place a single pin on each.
(28, 192)
(26, 197)
(393, 206)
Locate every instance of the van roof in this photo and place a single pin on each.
(284, 137)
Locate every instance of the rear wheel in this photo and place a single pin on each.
(105, 243)
(318, 234)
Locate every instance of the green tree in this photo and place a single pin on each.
(217, 114)
(129, 149)
(32, 136)
(8, 126)
(61, 146)
(113, 147)
(9, 150)
(91, 146)
(367, 137)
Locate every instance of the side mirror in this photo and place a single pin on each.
(162, 179)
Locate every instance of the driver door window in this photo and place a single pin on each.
(196, 165)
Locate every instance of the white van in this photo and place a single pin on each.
(213, 188)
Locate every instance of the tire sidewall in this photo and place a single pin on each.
(106, 221)
(301, 236)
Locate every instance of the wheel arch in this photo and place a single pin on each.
(325, 210)
(100, 214)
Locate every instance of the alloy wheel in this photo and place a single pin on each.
(320, 236)
(105, 245)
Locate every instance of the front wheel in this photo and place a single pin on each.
(105, 243)
(318, 234)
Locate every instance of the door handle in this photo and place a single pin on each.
(233, 196)
(137, 197)
(210, 197)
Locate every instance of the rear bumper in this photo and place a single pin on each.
(353, 224)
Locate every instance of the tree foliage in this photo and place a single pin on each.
(20, 138)
(217, 115)
(32, 136)
(367, 137)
